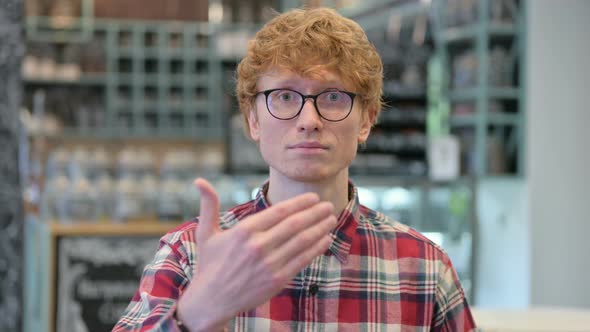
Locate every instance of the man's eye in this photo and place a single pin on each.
(333, 96)
(286, 96)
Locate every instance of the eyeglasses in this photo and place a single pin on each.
(285, 104)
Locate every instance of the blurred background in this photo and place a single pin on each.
(109, 109)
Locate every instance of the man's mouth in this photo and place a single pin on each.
(308, 145)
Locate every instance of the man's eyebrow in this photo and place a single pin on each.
(290, 83)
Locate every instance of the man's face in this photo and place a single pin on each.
(306, 148)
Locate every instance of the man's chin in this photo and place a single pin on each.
(307, 175)
(307, 178)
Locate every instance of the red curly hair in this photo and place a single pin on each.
(309, 40)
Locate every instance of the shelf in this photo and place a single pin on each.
(156, 79)
(392, 123)
(178, 79)
(502, 29)
(486, 105)
(173, 52)
(127, 52)
(162, 52)
(148, 227)
(192, 80)
(371, 14)
(61, 29)
(86, 79)
(504, 93)
(231, 58)
(158, 75)
(125, 79)
(467, 120)
(395, 90)
(198, 54)
(161, 133)
(402, 118)
(151, 52)
(471, 94)
(469, 32)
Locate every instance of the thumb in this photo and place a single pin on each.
(209, 215)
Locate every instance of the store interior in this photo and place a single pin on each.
(112, 108)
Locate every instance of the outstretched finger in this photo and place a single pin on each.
(273, 215)
(295, 224)
(290, 252)
(209, 215)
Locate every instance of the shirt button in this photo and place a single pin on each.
(313, 289)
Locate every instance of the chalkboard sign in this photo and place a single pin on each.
(97, 276)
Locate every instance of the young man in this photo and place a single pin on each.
(304, 255)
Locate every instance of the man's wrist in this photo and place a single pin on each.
(202, 324)
(178, 322)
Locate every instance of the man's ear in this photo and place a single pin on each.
(367, 121)
(254, 125)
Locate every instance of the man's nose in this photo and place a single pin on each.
(309, 118)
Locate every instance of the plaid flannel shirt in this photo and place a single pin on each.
(378, 275)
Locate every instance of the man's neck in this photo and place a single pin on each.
(333, 190)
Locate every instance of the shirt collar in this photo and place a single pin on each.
(345, 229)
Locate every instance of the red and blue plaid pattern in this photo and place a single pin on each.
(378, 275)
